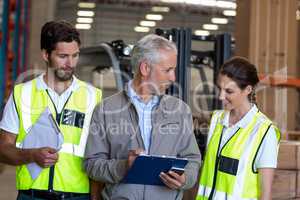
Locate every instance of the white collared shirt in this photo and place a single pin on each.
(267, 153)
(10, 119)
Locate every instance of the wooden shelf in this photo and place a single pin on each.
(291, 135)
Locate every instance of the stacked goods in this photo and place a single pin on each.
(293, 135)
(267, 33)
(286, 183)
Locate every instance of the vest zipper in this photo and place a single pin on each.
(138, 129)
(216, 169)
(217, 163)
(58, 120)
(152, 122)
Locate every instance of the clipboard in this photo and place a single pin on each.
(146, 169)
(43, 133)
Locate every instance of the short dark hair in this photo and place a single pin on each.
(57, 31)
(242, 72)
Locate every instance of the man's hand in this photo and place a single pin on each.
(9, 154)
(132, 154)
(96, 188)
(172, 179)
(44, 157)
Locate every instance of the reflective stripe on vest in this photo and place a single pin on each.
(30, 103)
(218, 195)
(234, 176)
(77, 150)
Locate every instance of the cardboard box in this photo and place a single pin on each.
(292, 135)
(284, 185)
(289, 155)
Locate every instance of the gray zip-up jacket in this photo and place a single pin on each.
(114, 131)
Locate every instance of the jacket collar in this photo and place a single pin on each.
(133, 95)
(162, 104)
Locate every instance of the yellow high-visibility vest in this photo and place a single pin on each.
(69, 175)
(231, 174)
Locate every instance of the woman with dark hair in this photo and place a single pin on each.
(242, 145)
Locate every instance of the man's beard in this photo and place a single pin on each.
(159, 89)
(63, 75)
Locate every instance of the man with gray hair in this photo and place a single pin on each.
(142, 118)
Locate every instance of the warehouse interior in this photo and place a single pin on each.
(267, 32)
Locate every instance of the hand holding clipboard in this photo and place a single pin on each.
(146, 169)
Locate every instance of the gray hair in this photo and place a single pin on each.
(148, 49)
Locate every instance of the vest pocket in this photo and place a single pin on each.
(228, 165)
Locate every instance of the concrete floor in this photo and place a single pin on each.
(7, 184)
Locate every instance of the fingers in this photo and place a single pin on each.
(172, 180)
(132, 154)
(50, 154)
(169, 181)
(51, 159)
(53, 156)
(174, 175)
(131, 158)
(135, 152)
(51, 150)
(45, 157)
(139, 151)
(48, 163)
